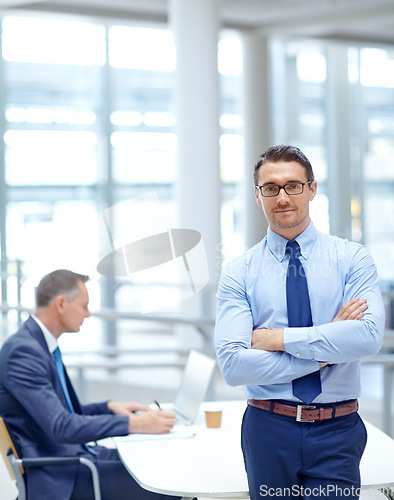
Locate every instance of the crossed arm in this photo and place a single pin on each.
(267, 339)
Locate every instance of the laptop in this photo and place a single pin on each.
(193, 387)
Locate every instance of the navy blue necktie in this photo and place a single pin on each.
(62, 378)
(299, 314)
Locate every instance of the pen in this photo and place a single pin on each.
(157, 404)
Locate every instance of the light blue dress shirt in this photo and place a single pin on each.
(252, 294)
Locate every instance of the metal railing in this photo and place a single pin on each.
(385, 359)
(113, 359)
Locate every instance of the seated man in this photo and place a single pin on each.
(39, 403)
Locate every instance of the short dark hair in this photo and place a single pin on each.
(285, 153)
(60, 282)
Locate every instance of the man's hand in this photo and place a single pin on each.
(152, 422)
(125, 407)
(267, 339)
(354, 309)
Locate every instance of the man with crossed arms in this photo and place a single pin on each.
(295, 447)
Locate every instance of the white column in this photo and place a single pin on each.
(257, 130)
(339, 142)
(195, 27)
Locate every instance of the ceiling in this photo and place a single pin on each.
(356, 20)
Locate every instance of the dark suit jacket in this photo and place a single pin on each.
(33, 404)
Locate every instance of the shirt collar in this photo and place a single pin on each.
(277, 244)
(49, 338)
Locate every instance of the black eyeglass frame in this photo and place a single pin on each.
(282, 187)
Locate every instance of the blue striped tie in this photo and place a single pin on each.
(299, 313)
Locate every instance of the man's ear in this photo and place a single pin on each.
(257, 195)
(59, 303)
(312, 190)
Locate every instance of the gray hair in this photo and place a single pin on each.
(60, 282)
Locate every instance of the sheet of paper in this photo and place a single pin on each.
(177, 432)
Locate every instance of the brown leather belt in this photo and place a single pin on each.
(306, 413)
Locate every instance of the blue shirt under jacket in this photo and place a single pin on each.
(252, 294)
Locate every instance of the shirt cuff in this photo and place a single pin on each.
(296, 342)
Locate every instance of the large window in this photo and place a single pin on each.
(88, 121)
(374, 86)
(303, 116)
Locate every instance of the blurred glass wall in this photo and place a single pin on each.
(88, 121)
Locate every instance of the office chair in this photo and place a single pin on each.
(16, 465)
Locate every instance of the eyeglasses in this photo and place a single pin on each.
(292, 188)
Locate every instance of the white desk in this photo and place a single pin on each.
(210, 464)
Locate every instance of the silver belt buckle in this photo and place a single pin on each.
(299, 413)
